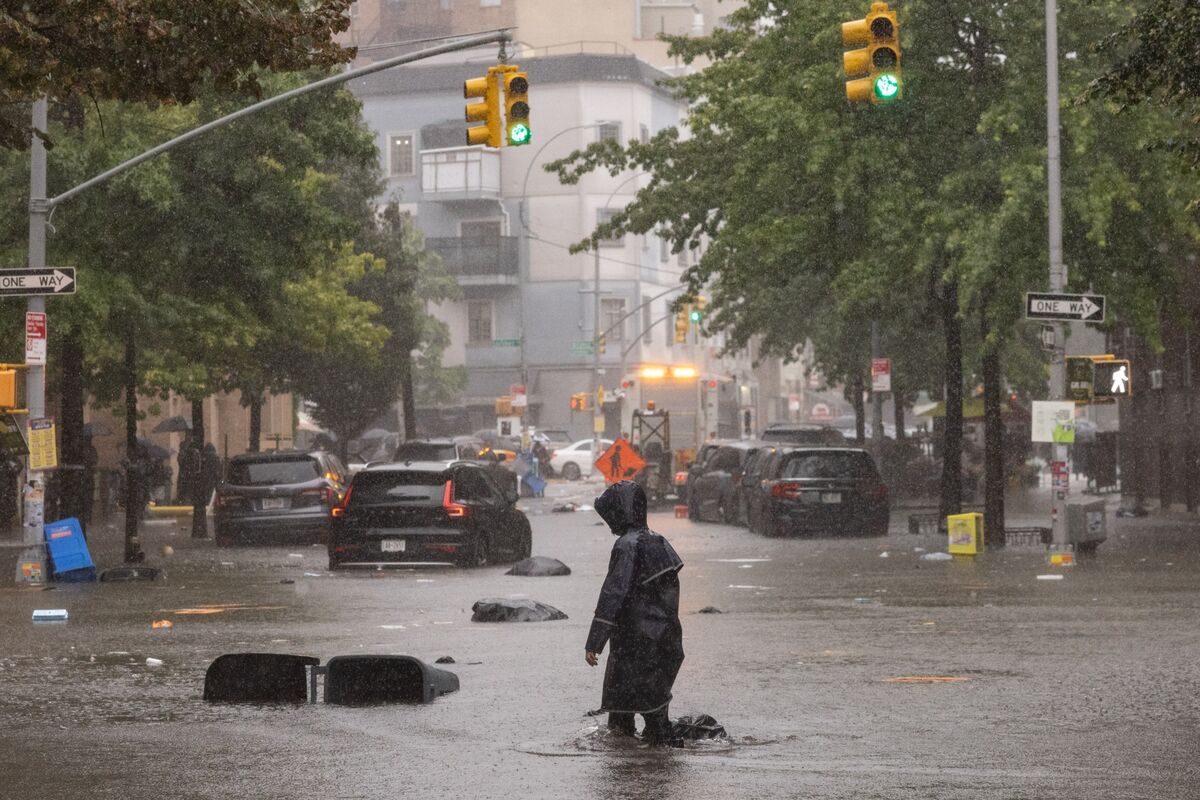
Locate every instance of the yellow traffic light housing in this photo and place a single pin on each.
(682, 321)
(600, 344)
(8, 389)
(486, 111)
(874, 68)
(516, 108)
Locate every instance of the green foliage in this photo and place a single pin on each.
(816, 216)
(166, 51)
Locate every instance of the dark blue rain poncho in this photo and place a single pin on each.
(638, 610)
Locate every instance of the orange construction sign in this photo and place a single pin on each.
(619, 462)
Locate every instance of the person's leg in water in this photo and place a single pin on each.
(658, 727)
(622, 723)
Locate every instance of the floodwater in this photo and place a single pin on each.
(837, 672)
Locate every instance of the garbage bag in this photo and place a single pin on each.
(539, 567)
(700, 726)
(504, 609)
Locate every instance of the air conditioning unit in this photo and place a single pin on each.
(1156, 379)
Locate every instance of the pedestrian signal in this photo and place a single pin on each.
(579, 401)
(874, 68)
(1112, 379)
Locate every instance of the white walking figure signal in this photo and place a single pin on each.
(1119, 380)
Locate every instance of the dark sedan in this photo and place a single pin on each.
(823, 490)
(280, 497)
(714, 490)
(428, 512)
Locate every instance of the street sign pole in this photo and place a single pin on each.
(34, 508)
(1058, 276)
(876, 397)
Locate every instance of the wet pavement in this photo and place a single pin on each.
(839, 671)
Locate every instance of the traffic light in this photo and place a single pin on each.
(8, 388)
(600, 344)
(486, 111)
(682, 320)
(696, 315)
(1112, 379)
(874, 68)
(516, 108)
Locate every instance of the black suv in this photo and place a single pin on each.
(821, 490)
(803, 434)
(428, 512)
(283, 496)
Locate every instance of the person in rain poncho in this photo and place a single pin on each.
(638, 613)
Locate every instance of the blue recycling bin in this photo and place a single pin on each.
(69, 556)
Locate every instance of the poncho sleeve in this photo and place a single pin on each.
(622, 567)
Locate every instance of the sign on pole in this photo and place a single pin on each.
(33, 281)
(1065, 307)
(1079, 379)
(1112, 379)
(620, 462)
(35, 338)
(43, 455)
(1054, 421)
(881, 374)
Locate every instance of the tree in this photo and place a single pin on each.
(935, 203)
(164, 51)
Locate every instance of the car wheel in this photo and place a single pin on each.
(223, 538)
(570, 471)
(478, 552)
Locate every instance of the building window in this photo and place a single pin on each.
(612, 311)
(485, 229)
(683, 257)
(643, 133)
(664, 249)
(607, 131)
(353, 10)
(479, 322)
(400, 154)
(487, 3)
(447, 5)
(647, 321)
(603, 215)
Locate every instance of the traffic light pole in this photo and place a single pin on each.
(1058, 273)
(40, 207)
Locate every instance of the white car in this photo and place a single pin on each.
(575, 460)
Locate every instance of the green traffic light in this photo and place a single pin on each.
(519, 134)
(887, 86)
(695, 315)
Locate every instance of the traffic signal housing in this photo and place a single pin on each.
(874, 68)
(682, 320)
(8, 388)
(696, 315)
(1112, 379)
(486, 110)
(600, 344)
(516, 108)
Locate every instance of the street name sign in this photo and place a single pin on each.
(25, 282)
(582, 347)
(1065, 307)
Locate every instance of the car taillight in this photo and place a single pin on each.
(879, 491)
(324, 493)
(680, 477)
(453, 509)
(340, 509)
(786, 491)
(225, 500)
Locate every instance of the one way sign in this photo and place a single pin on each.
(49, 280)
(1067, 307)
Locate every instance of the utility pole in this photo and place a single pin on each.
(598, 414)
(1058, 272)
(876, 397)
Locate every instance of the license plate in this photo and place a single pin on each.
(831, 497)
(269, 503)
(392, 545)
(810, 497)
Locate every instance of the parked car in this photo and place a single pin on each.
(449, 448)
(758, 464)
(552, 438)
(575, 460)
(823, 490)
(428, 511)
(283, 496)
(683, 476)
(714, 489)
(803, 434)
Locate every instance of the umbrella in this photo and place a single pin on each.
(96, 429)
(153, 450)
(175, 424)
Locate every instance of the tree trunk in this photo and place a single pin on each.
(136, 469)
(898, 409)
(952, 443)
(408, 400)
(72, 479)
(860, 410)
(199, 485)
(993, 452)
(256, 406)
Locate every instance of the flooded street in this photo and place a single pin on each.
(1008, 685)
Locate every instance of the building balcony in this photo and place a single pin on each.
(490, 261)
(460, 174)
